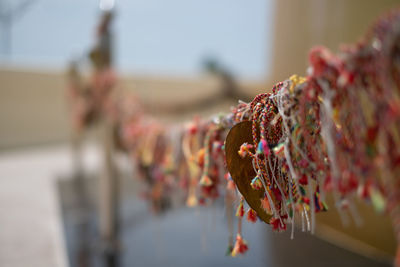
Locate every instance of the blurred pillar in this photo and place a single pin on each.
(101, 57)
(300, 25)
(108, 197)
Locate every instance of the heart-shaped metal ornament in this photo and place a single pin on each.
(241, 169)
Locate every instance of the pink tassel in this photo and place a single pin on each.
(266, 206)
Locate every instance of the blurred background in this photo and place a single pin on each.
(165, 51)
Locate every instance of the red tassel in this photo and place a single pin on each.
(274, 222)
(306, 200)
(277, 225)
(251, 215)
(240, 246)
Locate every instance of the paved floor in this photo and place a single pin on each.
(31, 232)
(186, 236)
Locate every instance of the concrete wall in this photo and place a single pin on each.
(302, 24)
(33, 106)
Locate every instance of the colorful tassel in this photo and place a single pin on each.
(240, 210)
(251, 215)
(266, 206)
(240, 246)
(256, 183)
(192, 201)
(205, 180)
(279, 150)
(262, 148)
(277, 224)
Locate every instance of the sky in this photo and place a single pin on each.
(168, 37)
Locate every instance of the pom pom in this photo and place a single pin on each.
(240, 210)
(240, 246)
(251, 215)
(205, 180)
(244, 150)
